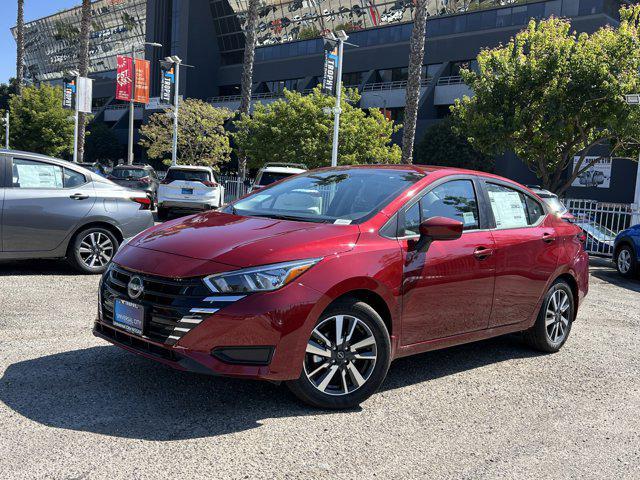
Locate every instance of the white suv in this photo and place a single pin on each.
(274, 172)
(189, 188)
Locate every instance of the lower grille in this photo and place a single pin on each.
(173, 307)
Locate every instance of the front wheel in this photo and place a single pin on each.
(626, 261)
(552, 327)
(346, 359)
(92, 250)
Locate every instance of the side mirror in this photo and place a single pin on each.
(440, 229)
(567, 216)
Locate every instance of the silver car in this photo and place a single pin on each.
(50, 208)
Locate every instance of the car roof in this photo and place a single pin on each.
(129, 167)
(189, 167)
(283, 170)
(46, 158)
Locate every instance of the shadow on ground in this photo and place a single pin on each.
(604, 270)
(36, 267)
(105, 390)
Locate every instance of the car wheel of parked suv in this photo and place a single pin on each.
(346, 359)
(554, 321)
(626, 261)
(92, 250)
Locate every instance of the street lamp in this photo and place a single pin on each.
(132, 104)
(75, 74)
(340, 37)
(177, 61)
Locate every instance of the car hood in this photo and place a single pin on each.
(247, 241)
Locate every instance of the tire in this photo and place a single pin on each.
(352, 380)
(163, 214)
(553, 325)
(626, 261)
(92, 250)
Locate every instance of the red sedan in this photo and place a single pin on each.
(321, 280)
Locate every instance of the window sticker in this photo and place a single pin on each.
(39, 176)
(342, 221)
(469, 218)
(508, 209)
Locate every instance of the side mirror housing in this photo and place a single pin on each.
(438, 229)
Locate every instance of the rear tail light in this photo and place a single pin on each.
(210, 184)
(144, 202)
(582, 237)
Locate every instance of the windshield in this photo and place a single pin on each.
(193, 175)
(268, 178)
(130, 173)
(340, 196)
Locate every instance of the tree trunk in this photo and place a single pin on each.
(416, 57)
(20, 47)
(83, 69)
(247, 72)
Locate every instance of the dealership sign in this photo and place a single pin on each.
(143, 69)
(84, 95)
(597, 175)
(69, 93)
(330, 68)
(124, 78)
(167, 82)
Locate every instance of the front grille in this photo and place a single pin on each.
(173, 306)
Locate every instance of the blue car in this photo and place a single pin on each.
(626, 251)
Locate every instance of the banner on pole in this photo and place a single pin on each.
(143, 71)
(124, 82)
(69, 93)
(85, 94)
(330, 67)
(167, 82)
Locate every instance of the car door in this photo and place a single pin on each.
(526, 251)
(449, 289)
(44, 203)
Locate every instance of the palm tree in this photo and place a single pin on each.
(247, 71)
(20, 46)
(83, 69)
(416, 57)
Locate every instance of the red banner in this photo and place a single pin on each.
(143, 71)
(124, 82)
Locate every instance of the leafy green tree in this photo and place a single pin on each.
(39, 123)
(202, 139)
(441, 145)
(295, 129)
(550, 95)
(6, 90)
(102, 144)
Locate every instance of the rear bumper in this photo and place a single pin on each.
(201, 205)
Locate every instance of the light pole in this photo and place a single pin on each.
(177, 61)
(132, 103)
(340, 37)
(76, 75)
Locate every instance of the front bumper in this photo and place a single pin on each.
(260, 336)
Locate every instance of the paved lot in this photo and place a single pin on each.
(73, 407)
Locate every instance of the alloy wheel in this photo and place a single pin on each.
(96, 250)
(340, 355)
(624, 261)
(557, 316)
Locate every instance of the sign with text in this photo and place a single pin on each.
(330, 69)
(85, 94)
(167, 82)
(143, 70)
(124, 79)
(597, 175)
(69, 90)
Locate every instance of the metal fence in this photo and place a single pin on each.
(234, 187)
(601, 222)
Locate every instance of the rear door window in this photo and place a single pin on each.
(512, 208)
(34, 174)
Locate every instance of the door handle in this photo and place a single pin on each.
(78, 196)
(482, 252)
(548, 238)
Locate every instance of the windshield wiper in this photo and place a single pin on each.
(279, 216)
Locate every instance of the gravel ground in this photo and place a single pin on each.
(72, 406)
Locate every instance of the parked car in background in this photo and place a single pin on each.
(50, 208)
(274, 172)
(94, 167)
(137, 177)
(626, 251)
(189, 188)
(598, 240)
(323, 279)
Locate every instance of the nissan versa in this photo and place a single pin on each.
(321, 280)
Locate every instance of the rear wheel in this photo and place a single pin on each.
(92, 250)
(626, 261)
(346, 359)
(554, 321)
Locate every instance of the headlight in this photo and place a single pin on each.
(259, 279)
